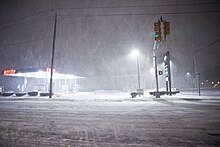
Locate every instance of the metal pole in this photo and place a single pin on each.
(199, 84)
(138, 69)
(52, 58)
(197, 75)
(156, 77)
(195, 68)
(157, 94)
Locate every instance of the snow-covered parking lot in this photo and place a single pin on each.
(109, 118)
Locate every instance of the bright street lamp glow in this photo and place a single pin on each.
(135, 53)
(152, 70)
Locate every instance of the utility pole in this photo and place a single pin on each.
(197, 75)
(52, 57)
(195, 64)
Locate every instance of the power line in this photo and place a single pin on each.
(34, 14)
(207, 46)
(26, 23)
(105, 15)
(109, 7)
(23, 42)
(139, 6)
(138, 14)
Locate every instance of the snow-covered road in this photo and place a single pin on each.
(109, 119)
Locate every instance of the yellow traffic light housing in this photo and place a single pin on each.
(157, 30)
(166, 27)
(157, 26)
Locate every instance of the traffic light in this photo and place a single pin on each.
(166, 27)
(157, 31)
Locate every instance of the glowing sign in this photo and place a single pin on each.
(9, 71)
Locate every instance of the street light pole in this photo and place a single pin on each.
(135, 53)
(138, 70)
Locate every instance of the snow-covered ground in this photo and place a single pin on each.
(110, 118)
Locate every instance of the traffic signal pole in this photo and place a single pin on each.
(157, 94)
(157, 35)
(158, 38)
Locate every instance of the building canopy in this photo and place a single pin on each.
(39, 72)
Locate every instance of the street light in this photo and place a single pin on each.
(135, 53)
(188, 74)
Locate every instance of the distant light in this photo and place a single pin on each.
(151, 70)
(135, 53)
(207, 80)
(188, 73)
(218, 82)
(212, 82)
(202, 83)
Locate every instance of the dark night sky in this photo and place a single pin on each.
(95, 37)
